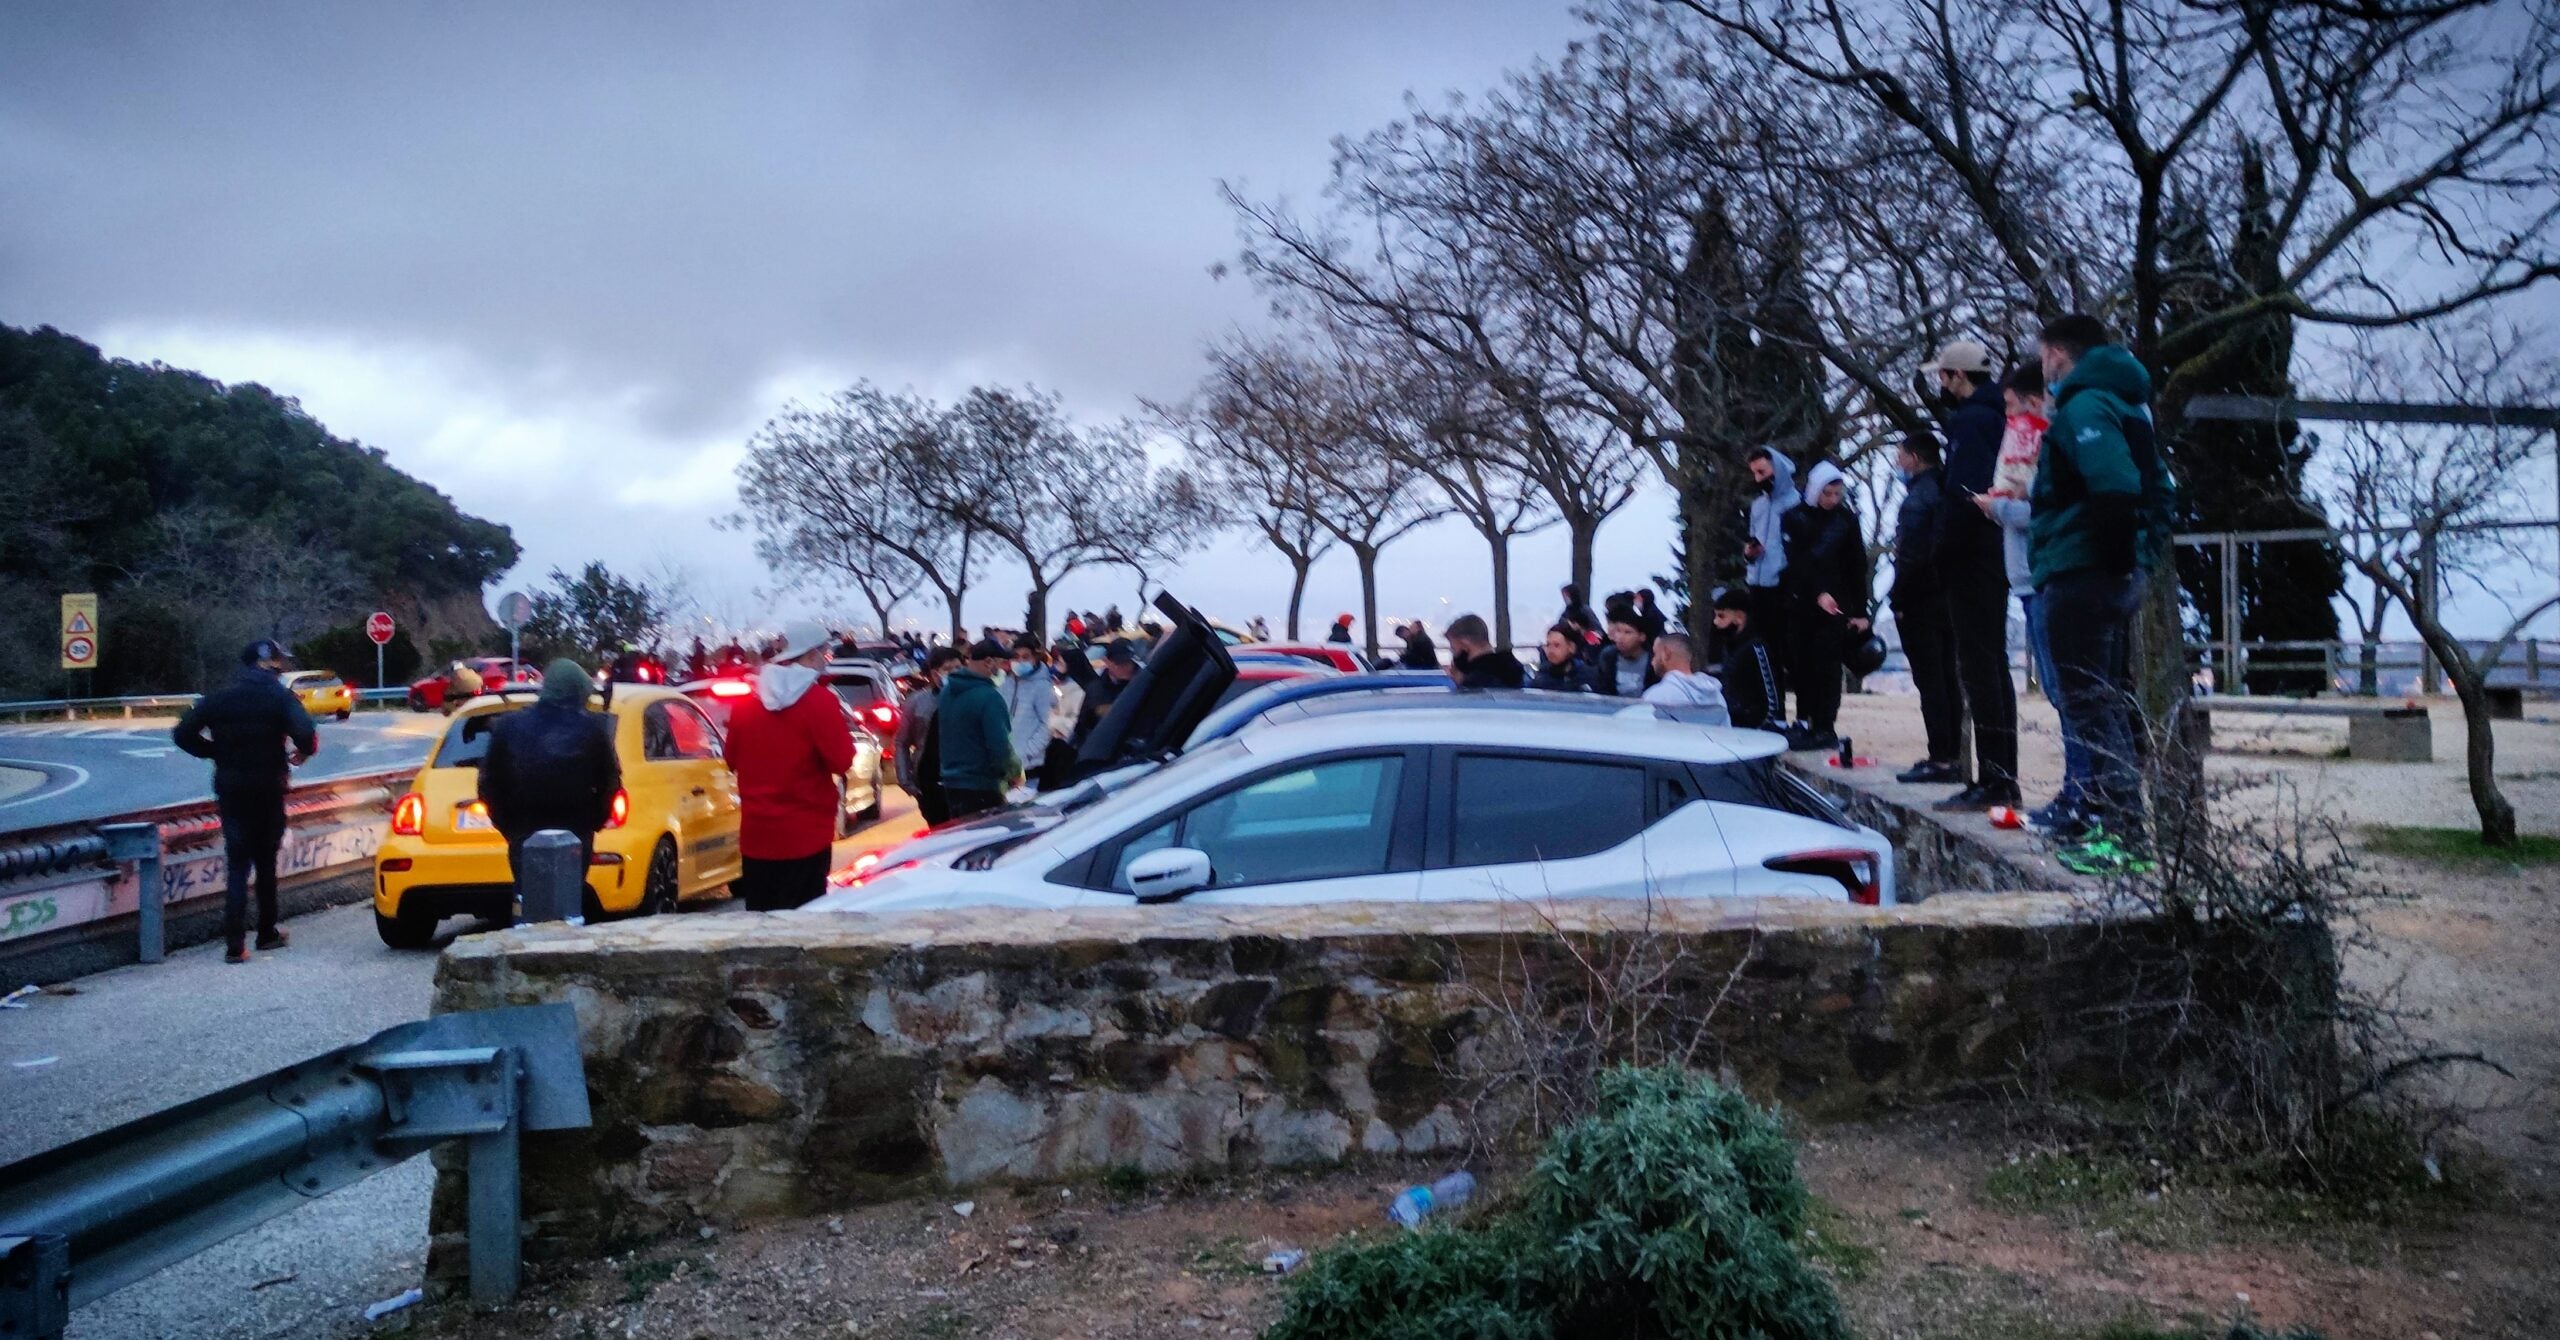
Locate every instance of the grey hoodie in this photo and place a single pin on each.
(1028, 697)
(1767, 510)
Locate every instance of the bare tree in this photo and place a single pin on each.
(1460, 436)
(2420, 501)
(2408, 173)
(1254, 463)
(840, 490)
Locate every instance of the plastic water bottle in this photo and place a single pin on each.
(1420, 1202)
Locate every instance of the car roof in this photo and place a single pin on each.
(626, 697)
(1628, 730)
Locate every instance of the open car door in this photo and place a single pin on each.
(1173, 691)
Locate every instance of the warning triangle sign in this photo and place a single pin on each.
(79, 624)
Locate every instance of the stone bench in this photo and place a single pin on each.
(2377, 732)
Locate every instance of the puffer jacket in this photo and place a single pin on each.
(243, 728)
(551, 765)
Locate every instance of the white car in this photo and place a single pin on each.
(1445, 803)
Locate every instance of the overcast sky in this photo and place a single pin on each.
(560, 261)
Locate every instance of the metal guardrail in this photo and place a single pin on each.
(74, 708)
(88, 1218)
(144, 838)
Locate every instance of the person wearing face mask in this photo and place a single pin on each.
(1920, 613)
(1764, 553)
(1827, 596)
(1973, 577)
(1030, 693)
(919, 742)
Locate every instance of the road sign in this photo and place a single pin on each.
(513, 609)
(80, 631)
(378, 627)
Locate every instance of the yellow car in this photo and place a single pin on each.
(673, 836)
(322, 694)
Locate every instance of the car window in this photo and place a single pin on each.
(466, 741)
(1141, 797)
(694, 737)
(658, 734)
(1506, 808)
(1330, 820)
(855, 693)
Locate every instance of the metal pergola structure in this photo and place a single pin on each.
(2279, 409)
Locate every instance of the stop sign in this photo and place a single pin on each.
(378, 627)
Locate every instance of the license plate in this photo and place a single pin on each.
(469, 820)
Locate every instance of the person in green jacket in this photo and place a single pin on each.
(978, 761)
(2099, 487)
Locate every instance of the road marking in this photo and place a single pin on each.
(148, 753)
(79, 780)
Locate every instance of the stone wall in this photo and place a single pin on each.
(1931, 857)
(745, 1065)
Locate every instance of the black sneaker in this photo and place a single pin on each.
(1973, 799)
(236, 954)
(1929, 770)
(274, 939)
(1806, 739)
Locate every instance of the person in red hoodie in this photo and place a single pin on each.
(790, 747)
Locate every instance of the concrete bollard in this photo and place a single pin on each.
(553, 877)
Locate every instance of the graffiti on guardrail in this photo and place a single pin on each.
(184, 876)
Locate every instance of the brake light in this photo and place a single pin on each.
(620, 811)
(864, 862)
(1855, 868)
(883, 716)
(409, 817)
(732, 688)
(865, 876)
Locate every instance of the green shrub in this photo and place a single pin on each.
(1673, 1211)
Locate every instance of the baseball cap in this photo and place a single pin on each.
(1960, 356)
(260, 652)
(800, 639)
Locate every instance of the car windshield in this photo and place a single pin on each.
(1091, 820)
(856, 692)
(466, 741)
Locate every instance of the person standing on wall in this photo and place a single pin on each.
(1827, 594)
(1749, 673)
(1972, 577)
(790, 746)
(2022, 394)
(978, 762)
(1920, 614)
(1764, 554)
(255, 732)
(2097, 476)
(551, 765)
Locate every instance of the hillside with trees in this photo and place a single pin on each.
(204, 515)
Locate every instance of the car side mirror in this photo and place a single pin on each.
(1168, 873)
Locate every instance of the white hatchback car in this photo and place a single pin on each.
(1426, 804)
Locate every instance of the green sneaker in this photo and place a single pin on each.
(2103, 853)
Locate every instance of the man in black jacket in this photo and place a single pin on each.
(1749, 674)
(1474, 662)
(551, 765)
(246, 727)
(1920, 612)
(1973, 577)
(1827, 597)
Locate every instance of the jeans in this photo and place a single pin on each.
(1928, 646)
(1978, 625)
(771, 886)
(2075, 756)
(2088, 618)
(252, 833)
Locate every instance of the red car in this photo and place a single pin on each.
(431, 693)
(1338, 655)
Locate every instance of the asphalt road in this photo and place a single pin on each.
(93, 769)
(141, 1038)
